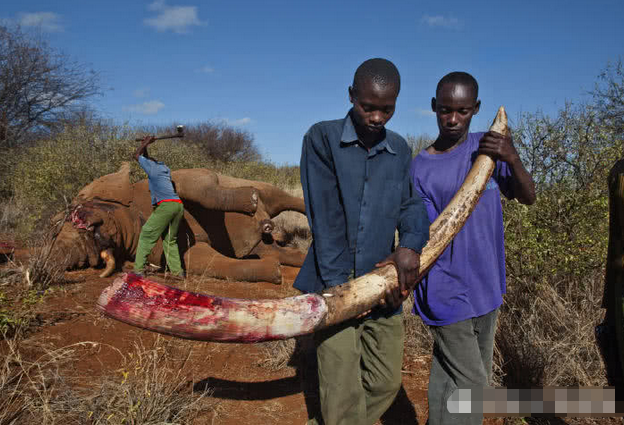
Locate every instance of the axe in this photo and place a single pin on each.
(179, 134)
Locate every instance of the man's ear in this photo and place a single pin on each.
(433, 104)
(351, 94)
(477, 107)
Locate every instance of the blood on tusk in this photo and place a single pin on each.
(137, 301)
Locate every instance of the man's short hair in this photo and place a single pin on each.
(462, 78)
(379, 71)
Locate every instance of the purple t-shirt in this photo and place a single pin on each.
(468, 280)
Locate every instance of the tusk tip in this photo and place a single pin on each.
(500, 123)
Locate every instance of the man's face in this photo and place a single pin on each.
(454, 107)
(373, 106)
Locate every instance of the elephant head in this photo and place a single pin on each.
(93, 229)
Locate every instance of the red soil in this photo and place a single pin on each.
(247, 392)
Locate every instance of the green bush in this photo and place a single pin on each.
(556, 251)
(49, 174)
(45, 177)
(563, 236)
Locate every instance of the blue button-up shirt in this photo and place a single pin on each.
(159, 179)
(355, 200)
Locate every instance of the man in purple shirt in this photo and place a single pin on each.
(460, 297)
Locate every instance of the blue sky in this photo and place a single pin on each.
(274, 68)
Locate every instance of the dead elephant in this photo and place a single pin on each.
(226, 232)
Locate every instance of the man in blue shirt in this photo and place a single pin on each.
(166, 216)
(460, 296)
(357, 191)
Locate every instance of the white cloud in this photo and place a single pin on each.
(175, 18)
(238, 122)
(47, 21)
(206, 69)
(157, 5)
(425, 112)
(141, 93)
(146, 108)
(447, 22)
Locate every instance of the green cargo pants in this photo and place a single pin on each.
(164, 220)
(359, 368)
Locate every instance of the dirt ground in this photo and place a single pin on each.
(246, 391)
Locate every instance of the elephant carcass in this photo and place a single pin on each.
(157, 307)
(225, 220)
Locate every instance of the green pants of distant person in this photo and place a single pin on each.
(164, 221)
(359, 368)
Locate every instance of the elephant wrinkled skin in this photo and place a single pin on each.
(226, 232)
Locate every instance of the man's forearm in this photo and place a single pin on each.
(524, 186)
(141, 150)
(413, 220)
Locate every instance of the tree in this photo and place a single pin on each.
(39, 86)
(609, 97)
(222, 142)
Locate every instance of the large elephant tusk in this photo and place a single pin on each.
(109, 260)
(153, 306)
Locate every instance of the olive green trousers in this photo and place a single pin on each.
(359, 370)
(618, 319)
(164, 221)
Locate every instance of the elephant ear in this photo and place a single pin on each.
(113, 187)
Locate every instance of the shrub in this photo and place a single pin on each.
(150, 389)
(215, 141)
(48, 175)
(555, 253)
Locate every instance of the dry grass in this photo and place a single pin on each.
(16, 301)
(43, 271)
(148, 388)
(29, 388)
(418, 340)
(277, 355)
(9, 217)
(13, 404)
(546, 335)
(22, 286)
(11, 274)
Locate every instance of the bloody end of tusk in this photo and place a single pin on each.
(151, 305)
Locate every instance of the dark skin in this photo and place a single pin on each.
(373, 106)
(454, 107)
(142, 149)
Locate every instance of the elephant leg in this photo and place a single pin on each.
(287, 256)
(277, 200)
(207, 192)
(202, 259)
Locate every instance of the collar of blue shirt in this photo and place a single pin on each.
(350, 137)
